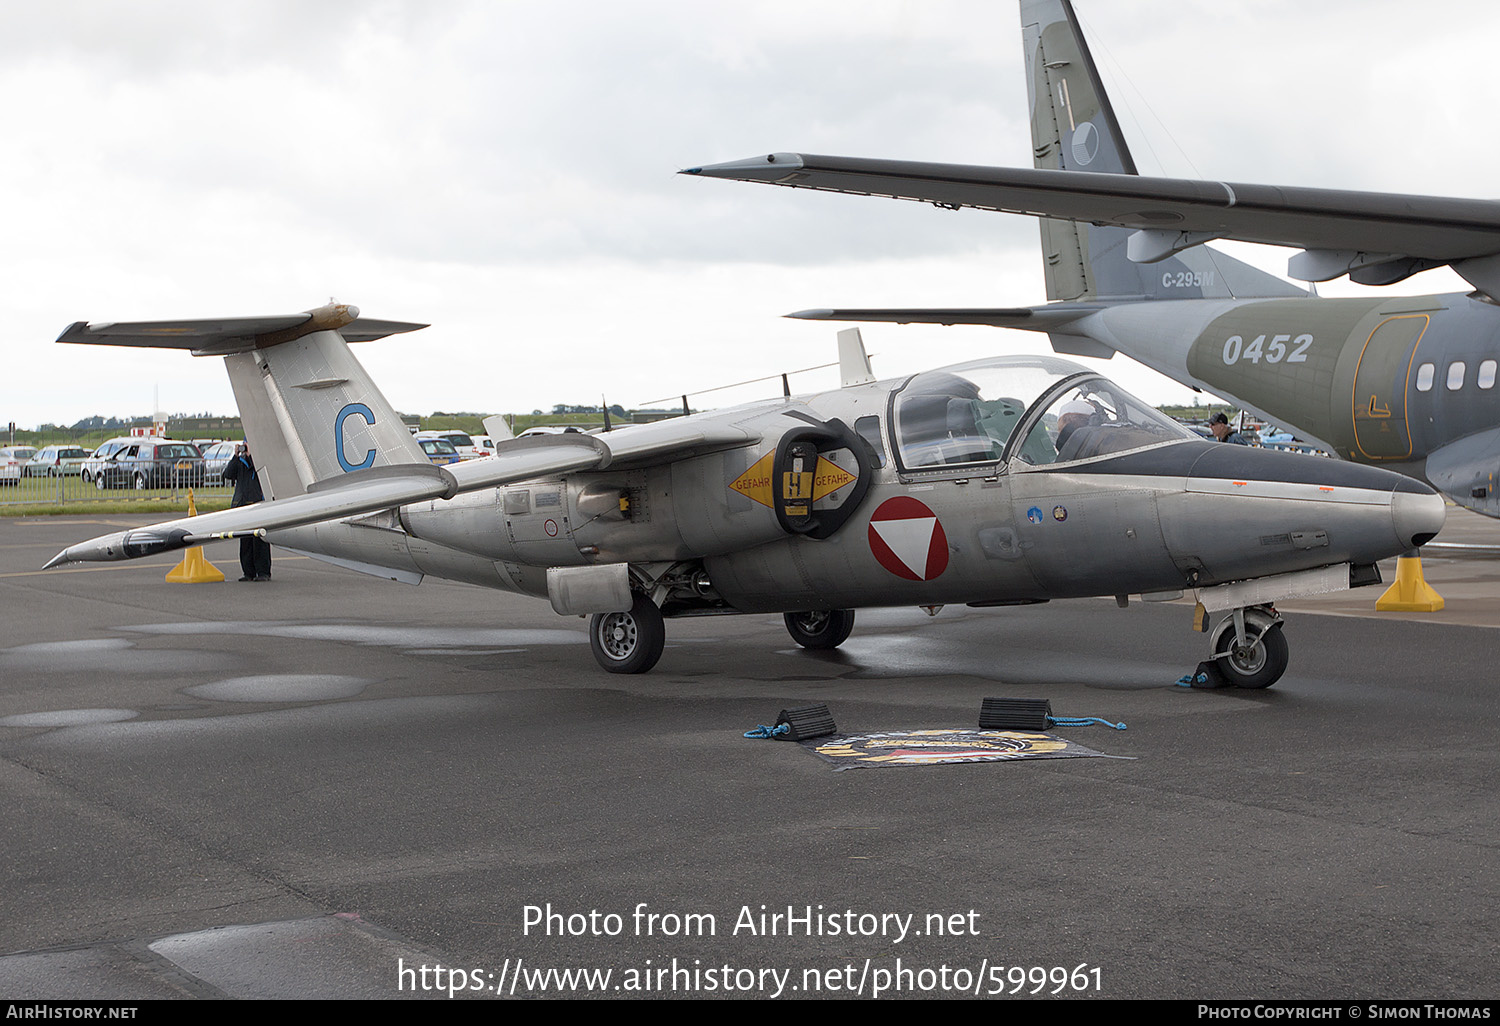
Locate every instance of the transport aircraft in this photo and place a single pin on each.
(1405, 382)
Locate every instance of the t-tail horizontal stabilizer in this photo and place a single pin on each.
(224, 335)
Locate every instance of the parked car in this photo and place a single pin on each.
(439, 450)
(151, 463)
(215, 458)
(56, 461)
(90, 469)
(551, 429)
(13, 460)
(461, 441)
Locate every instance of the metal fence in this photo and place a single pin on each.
(70, 489)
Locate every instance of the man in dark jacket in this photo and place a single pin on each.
(1219, 425)
(255, 553)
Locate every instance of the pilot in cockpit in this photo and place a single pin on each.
(1073, 414)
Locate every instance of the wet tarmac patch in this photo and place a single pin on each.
(426, 640)
(335, 956)
(115, 655)
(281, 687)
(69, 718)
(463, 651)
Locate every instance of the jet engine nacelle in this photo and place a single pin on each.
(806, 477)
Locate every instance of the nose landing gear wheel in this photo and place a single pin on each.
(628, 642)
(1258, 664)
(820, 628)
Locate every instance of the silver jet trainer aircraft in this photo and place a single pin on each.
(1001, 482)
(1406, 382)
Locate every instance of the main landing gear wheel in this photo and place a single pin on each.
(1258, 664)
(628, 642)
(820, 628)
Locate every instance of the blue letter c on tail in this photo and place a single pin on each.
(338, 435)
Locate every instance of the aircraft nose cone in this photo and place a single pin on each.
(1417, 518)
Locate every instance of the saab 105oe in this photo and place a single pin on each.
(1000, 482)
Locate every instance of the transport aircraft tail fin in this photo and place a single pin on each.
(310, 410)
(1073, 128)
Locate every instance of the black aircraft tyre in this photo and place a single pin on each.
(628, 642)
(1259, 664)
(820, 628)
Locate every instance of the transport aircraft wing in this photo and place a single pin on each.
(1376, 238)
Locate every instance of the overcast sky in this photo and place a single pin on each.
(505, 172)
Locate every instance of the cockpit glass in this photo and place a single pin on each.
(968, 414)
(1096, 418)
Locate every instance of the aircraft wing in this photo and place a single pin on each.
(1374, 237)
(364, 491)
(1030, 318)
(221, 336)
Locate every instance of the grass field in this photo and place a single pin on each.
(39, 496)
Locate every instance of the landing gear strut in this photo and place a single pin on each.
(820, 628)
(628, 642)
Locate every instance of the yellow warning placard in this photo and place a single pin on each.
(830, 478)
(755, 483)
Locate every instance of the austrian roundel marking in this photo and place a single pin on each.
(908, 540)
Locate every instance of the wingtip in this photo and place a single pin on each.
(763, 167)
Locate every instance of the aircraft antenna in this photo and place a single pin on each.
(1117, 71)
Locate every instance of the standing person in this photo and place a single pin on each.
(1219, 425)
(255, 552)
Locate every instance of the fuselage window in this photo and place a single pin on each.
(869, 430)
(1456, 371)
(1424, 377)
(1487, 374)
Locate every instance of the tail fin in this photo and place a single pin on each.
(310, 410)
(1073, 128)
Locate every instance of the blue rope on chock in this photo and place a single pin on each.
(1081, 721)
(764, 731)
(1192, 680)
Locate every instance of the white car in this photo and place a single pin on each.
(551, 429)
(461, 441)
(56, 461)
(13, 460)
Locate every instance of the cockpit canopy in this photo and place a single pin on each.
(1037, 409)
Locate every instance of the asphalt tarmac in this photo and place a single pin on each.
(329, 786)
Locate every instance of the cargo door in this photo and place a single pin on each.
(1381, 431)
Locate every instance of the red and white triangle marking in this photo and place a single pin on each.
(907, 539)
